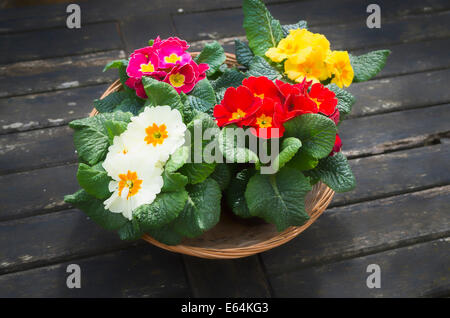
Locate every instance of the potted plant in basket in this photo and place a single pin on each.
(184, 137)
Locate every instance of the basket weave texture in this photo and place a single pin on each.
(234, 237)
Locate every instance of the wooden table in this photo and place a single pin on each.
(397, 139)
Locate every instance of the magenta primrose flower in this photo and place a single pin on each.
(166, 60)
(184, 77)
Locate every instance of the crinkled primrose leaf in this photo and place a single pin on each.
(279, 198)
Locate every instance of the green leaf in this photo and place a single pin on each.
(114, 128)
(162, 211)
(160, 93)
(94, 180)
(188, 112)
(177, 159)
(335, 172)
(150, 42)
(199, 169)
(232, 145)
(235, 194)
(222, 175)
(202, 209)
(173, 181)
(123, 77)
(214, 55)
(345, 99)
(110, 102)
(94, 208)
(289, 148)
(303, 161)
(166, 235)
(263, 31)
(260, 67)
(197, 172)
(279, 198)
(130, 231)
(132, 104)
(230, 78)
(244, 54)
(316, 132)
(116, 64)
(368, 65)
(299, 25)
(202, 97)
(91, 137)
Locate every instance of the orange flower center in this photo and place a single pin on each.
(176, 80)
(259, 95)
(172, 58)
(156, 134)
(264, 121)
(147, 68)
(238, 114)
(131, 181)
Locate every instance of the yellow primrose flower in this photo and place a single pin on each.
(305, 53)
(307, 63)
(338, 63)
(298, 40)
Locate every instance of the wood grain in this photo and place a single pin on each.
(39, 44)
(57, 73)
(413, 271)
(47, 109)
(144, 271)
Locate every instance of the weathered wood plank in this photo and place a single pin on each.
(47, 109)
(393, 131)
(36, 149)
(365, 228)
(226, 278)
(59, 42)
(422, 56)
(53, 237)
(57, 73)
(412, 271)
(397, 172)
(144, 271)
(37, 191)
(154, 24)
(353, 35)
(391, 94)
(415, 28)
(54, 15)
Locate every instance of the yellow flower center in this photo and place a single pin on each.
(317, 102)
(264, 121)
(147, 68)
(177, 80)
(131, 181)
(172, 58)
(237, 114)
(156, 134)
(259, 95)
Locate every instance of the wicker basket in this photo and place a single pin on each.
(234, 237)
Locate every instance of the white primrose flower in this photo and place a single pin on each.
(136, 181)
(160, 129)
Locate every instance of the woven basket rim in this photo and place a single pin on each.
(324, 193)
